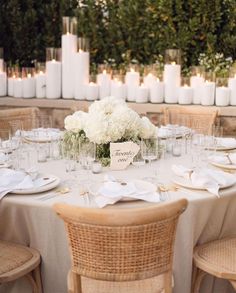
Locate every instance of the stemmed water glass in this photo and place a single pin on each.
(87, 153)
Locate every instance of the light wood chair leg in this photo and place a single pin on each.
(199, 277)
(233, 283)
(30, 278)
(37, 278)
(76, 281)
(168, 282)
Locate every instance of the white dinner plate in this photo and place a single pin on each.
(54, 182)
(221, 148)
(188, 184)
(224, 166)
(140, 185)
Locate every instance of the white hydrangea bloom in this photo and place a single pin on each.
(75, 122)
(147, 129)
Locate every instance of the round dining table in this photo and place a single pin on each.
(29, 219)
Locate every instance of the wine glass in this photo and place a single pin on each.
(149, 149)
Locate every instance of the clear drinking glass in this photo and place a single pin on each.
(87, 154)
(149, 149)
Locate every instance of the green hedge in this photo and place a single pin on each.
(120, 29)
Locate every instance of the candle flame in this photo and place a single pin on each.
(19, 78)
(132, 70)
(29, 75)
(119, 83)
(14, 76)
(185, 85)
(91, 83)
(150, 74)
(235, 75)
(80, 51)
(53, 60)
(173, 63)
(198, 74)
(104, 71)
(158, 79)
(40, 72)
(67, 33)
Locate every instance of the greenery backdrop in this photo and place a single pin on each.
(121, 30)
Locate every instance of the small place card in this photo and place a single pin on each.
(122, 154)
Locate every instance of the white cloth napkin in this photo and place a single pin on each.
(224, 159)
(11, 180)
(227, 142)
(112, 191)
(206, 178)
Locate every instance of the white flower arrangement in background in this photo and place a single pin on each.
(108, 120)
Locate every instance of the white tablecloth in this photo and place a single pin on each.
(27, 220)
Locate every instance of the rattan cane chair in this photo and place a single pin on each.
(18, 261)
(217, 258)
(200, 119)
(25, 118)
(121, 245)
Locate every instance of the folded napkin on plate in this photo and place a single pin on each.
(225, 159)
(206, 178)
(11, 180)
(227, 142)
(112, 191)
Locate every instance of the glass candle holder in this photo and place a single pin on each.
(104, 69)
(69, 25)
(210, 76)
(198, 71)
(173, 56)
(27, 72)
(83, 45)
(53, 54)
(40, 67)
(133, 68)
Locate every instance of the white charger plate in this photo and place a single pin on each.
(224, 166)
(188, 184)
(46, 187)
(140, 185)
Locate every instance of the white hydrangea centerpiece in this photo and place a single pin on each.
(107, 120)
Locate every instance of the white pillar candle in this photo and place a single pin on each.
(132, 82)
(40, 79)
(232, 87)
(10, 86)
(1, 64)
(222, 96)
(104, 81)
(69, 47)
(196, 82)
(3, 84)
(208, 93)
(142, 93)
(18, 88)
(156, 92)
(81, 74)
(53, 79)
(118, 89)
(185, 95)
(172, 82)
(91, 91)
(28, 86)
(149, 79)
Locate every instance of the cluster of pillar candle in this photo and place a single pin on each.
(66, 75)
